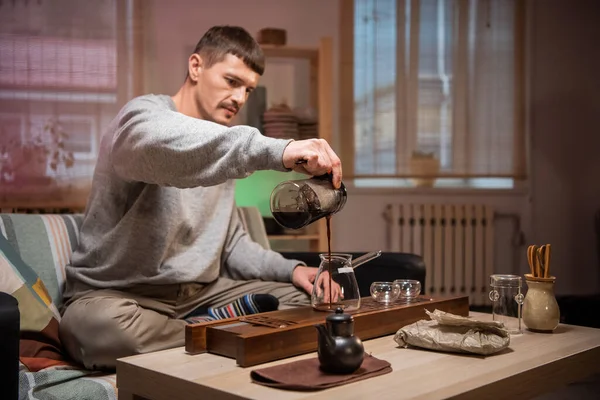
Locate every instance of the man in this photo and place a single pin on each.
(161, 241)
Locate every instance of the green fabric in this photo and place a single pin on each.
(72, 223)
(35, 250)
(65, 384)
(8, 230)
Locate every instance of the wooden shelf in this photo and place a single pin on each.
(314, 236)
(320, 80)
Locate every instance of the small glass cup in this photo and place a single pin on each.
(385, 292)
(409, 289)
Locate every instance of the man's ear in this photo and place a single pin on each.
(194, 67)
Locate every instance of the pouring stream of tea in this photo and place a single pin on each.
(329, 269)
(356, 263)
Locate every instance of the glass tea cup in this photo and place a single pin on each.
(507, 301)
(385, 292)
(409, 289)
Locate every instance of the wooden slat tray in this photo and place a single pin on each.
(265, 337)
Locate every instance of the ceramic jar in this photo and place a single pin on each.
(540, 308)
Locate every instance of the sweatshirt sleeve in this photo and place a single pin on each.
(156, 145)
(245, 259)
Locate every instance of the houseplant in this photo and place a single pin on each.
(45, 149)
(54, 146)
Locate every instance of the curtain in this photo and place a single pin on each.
(66, 67)
(438, 89)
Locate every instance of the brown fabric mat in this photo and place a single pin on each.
(306, 374)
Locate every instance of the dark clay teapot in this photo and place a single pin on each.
(340, 352)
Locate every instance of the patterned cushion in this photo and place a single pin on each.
(34, 250)
(45, 243)
(39, 345)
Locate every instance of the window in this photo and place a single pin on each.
(67, 63)
(437, 90)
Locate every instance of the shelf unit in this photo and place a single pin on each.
(321, 99)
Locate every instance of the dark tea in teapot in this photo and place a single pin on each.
(298, 203)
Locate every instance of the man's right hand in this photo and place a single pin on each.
(319, 159)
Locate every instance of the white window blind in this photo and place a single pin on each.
(64, 68)
(437, 78)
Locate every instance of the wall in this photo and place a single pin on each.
(178, 25)
(563, 110)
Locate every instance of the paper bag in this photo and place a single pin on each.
(454, 333)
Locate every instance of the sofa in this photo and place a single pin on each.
(34, 249)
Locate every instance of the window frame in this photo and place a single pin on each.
(346, 125)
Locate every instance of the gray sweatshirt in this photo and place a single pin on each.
(162, 206)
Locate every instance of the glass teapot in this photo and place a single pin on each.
(298, 203)
(335, 284)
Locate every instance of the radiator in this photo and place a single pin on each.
(456, 242)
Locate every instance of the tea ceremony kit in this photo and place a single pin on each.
(338, 319)
(412, 321)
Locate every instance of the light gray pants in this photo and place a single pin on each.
(99, 326)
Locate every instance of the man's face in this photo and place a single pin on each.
(222, 89)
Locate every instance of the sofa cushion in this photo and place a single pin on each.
(39, 345)
(45, 243)
(253, 223)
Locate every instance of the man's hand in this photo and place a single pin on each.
(304, 277)
(317, 156)
(323, 290)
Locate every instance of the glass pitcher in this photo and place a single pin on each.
(336, 273)
(298, 203)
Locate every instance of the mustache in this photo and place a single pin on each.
(232, 106)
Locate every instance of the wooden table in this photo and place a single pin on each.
(534, 363)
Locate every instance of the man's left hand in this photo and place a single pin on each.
(304, 277)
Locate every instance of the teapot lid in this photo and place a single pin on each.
(339, 316)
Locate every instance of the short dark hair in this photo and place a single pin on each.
(219, 41)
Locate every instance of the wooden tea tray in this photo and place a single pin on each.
(270, 336)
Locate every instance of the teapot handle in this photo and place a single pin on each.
(325, 177)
